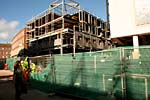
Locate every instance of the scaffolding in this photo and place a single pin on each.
(65, 28)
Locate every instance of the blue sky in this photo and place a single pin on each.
(15, 13)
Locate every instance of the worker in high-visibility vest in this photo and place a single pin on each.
(26, 68)
(24, 64)
(28, 65)
(32, 67)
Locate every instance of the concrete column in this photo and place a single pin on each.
(135, 53)
(135, 42)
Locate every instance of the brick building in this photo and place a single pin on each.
(19, 42)
(5, 50)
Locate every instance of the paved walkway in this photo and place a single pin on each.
(6, 75)
(7, 90)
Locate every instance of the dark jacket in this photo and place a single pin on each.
(18, 78)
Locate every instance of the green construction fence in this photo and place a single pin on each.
(119, 73)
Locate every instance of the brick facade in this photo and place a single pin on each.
(5, 50)
(19, 42)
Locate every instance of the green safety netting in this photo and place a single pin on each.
(42, 80)
(87, 74)
(11, 61)
(138, 71)
(121, 73)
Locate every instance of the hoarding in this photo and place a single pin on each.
(129, 17)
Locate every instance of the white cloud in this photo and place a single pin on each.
(7, 29)
(4, 36)
(13, 24)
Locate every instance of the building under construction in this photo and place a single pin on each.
(65, 28)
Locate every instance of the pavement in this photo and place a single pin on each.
(7, 90)
(6, 74)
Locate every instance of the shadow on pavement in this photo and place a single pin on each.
(7, 92)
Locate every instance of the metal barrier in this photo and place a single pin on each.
(120, 73)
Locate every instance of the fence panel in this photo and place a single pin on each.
(122, 72)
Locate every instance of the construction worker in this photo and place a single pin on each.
(18, 79)
(32, 67)
(24, 64)
(26, 69)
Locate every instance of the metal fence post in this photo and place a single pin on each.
(104, 82)
(95, 64)
(146, 89)
(123, 74)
